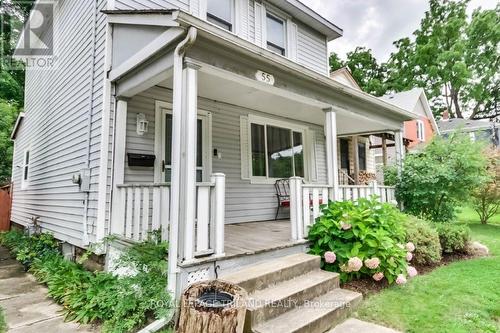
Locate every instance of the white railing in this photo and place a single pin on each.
(353, 192)
(306, 200)
(141, 208)
(206, 236)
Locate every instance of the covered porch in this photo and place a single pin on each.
(203, 130)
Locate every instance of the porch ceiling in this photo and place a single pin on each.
(260, 97)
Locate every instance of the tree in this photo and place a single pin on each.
(8, 115)
(483, 93)
(486, 198)
(437, 180)
(454, 59)
(364, 68)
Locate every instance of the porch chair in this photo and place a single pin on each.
(282, 187)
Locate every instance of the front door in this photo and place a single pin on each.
(203, 164)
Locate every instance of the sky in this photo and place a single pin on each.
(376, 23)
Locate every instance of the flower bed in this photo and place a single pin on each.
(120, 304)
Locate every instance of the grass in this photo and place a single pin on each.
(463, 297)
(468, 215)
(3, 324)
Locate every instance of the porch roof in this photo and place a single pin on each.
(326, 89)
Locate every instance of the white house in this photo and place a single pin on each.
(183, 114)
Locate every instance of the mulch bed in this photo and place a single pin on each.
(368, 286)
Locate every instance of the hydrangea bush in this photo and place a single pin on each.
(363, 238)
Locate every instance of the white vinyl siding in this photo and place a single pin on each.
(152, 4)
(57, 105)
(245, 202)
(312, 50)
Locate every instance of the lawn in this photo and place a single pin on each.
(463, 297)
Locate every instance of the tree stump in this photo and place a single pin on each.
(200, 317)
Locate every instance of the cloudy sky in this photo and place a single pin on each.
(375, 23)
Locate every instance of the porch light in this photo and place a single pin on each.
(142, 124)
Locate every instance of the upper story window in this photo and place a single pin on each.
(276, 34)
(26, 166)
(220, 12)
(420, 130)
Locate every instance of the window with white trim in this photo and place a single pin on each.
(26, 169)
(277, 151)
(276, 33)
(420, 130)
(221, 13)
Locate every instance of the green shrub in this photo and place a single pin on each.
(453, 237)
(27, 248)
(436, 180)
(361, 230)
(121, 304)
(426, 240)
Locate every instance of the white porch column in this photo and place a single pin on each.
(355, 153)
(331, 152)
(400, 149)
(118, 201)
(187, 204)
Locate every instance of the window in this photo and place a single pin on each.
(362, 155)
(276, 151)
(26, 164)
(420, 130)
(220, 12)
(276, 34)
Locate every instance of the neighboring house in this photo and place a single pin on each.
(417, 132)
(182, 115)
(478, 130)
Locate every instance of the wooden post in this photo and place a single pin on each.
(195, 318)
(355, 152)
(400, 149)
(118, 196)
(375, 189)
(331, 152)
(384, 151)
(219, 211)
(296, 208)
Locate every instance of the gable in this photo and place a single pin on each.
(344, 76)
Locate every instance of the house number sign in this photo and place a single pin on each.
(265, 77)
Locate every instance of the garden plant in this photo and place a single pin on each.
(119, 303)
(363, 238)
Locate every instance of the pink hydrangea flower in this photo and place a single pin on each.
(410, 247)
(345, 226)
(378, 276)
(401, 279)
(372, 263)
(330, 257)
(354, 264)
(409, 256)
(412, 271)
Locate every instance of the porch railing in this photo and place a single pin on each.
(141, 208)
(306, 199)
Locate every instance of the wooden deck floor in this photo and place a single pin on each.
(255, 237)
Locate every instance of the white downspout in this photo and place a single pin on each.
(173, 239)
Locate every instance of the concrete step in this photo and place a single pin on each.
(273, 301)
(315, 316)
(263, 275)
